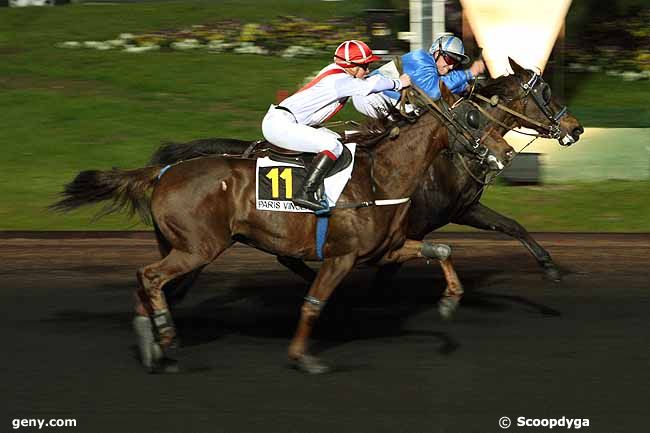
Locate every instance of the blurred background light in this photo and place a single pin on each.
(525, 30)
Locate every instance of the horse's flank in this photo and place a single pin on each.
(228, 184)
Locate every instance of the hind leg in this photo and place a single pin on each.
(153, 323)
(441, 252)
(176, 289)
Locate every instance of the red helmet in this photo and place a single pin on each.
(354, 53)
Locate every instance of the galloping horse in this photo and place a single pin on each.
(202, 206)
(522, 99)
(527, 101)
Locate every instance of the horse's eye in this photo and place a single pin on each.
(473, 118)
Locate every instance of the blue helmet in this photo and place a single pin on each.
(451, 46)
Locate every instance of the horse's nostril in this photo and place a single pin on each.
(510, 154)
(577, 131)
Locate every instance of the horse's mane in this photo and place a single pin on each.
(502, 86)
(373, 130)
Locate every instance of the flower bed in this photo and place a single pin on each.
(285, 36)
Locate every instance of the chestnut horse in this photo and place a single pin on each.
(521, 99)
(202, 206)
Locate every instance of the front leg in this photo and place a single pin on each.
(329, 276)
(484, 218)
(430, 251)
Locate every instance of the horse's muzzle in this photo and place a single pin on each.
(569, 139)
(575, 134)
(494, 163)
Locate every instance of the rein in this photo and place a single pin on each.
(486, 183)
(514, 113)
(530, 88)
(415, 94)
(471, 174)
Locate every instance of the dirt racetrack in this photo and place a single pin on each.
(519, 346)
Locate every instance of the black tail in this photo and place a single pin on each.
(170, 153)
(126, 189)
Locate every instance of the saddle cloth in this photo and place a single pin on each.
(279, 177)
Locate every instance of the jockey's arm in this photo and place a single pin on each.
(363, 87)
(457, 80)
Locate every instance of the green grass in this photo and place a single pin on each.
(599, 100)
(608, 206)
(66, 110)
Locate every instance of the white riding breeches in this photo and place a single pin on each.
(281, 129)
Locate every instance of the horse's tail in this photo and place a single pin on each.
(126, 189)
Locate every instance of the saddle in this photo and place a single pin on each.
(262, 148)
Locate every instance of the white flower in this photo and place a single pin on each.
(133, 49)
(117, 42)
(103, 46)
(217, 46)
(631, 76)
(249, 48)
(298, 50)
(69, 44)
(186, 44)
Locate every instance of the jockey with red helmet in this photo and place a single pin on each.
(291, 124)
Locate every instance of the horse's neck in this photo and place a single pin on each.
(401, 164)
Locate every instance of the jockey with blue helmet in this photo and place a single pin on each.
(444, 61)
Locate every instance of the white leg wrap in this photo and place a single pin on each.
(435, 251)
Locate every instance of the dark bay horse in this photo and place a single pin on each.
(457, 199)
(202, 206)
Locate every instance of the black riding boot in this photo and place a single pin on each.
(308, 196)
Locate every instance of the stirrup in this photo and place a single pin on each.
(326, 209)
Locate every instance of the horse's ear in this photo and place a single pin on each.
(515, 66)
(445, 93)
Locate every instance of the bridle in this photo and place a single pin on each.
(466, 127)
(540, 92)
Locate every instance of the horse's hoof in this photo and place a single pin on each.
(311, 365)
(165, 366)
(552, 273)
(447, 307)
(150, 352)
